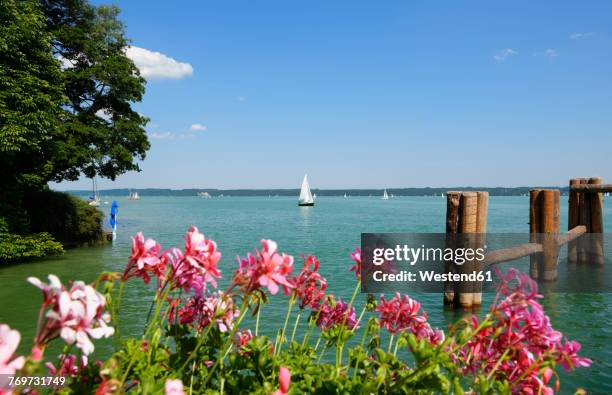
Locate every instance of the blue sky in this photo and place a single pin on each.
(372, 94)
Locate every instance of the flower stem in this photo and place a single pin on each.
(297, 320)
(282, 334)
(257, 320)
(360, 318)
(390, 343)
(243, 309)
(395, 348)
(198, 345)
(116, 309)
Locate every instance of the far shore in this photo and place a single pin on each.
(494, 191)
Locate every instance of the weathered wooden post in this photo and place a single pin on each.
(573, 219)
(481, 238)
(544, 225)
(596, 247)
(466, 218)
(534, 226)
(452, 228)
(585, 219)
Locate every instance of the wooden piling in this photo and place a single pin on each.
(573, 219)
(585, 219)
(596, 247)
(468, 221)
(483, 209)
(544, 229)
(453, 199)
(534, 226)
(452, 211)
(550, 231)
(596, 206)
(481, 230)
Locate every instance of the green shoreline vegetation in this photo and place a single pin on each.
(66, 94)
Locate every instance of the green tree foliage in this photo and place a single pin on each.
(66, 94)
(30, 97)
(102, 134)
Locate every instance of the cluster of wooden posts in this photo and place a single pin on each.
(466, 215)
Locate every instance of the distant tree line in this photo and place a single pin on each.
(498, 191)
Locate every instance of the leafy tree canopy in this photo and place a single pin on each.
(102, 134)
(31, 94)
(66, 94)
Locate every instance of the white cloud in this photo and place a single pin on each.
(163, 135)
(104, 115)
(155, 65)
(64, 63)
(578, 36)
(198, 127)
(242, 98)
(502, 54)
(551, 53)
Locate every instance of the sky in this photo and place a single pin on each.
(367, 94)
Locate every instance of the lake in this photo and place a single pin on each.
(330, 230)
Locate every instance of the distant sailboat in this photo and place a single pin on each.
(345, 196)
(385, 195)
(305, 194)
(134, 196)
(95, 199)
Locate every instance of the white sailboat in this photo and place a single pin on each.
(385, 196)
(345, 196)
(306, 198)
(95, 199)
(134, 196)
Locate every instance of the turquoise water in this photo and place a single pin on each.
(330, 230)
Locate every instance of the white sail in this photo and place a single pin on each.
(305, 194)
(385, 195)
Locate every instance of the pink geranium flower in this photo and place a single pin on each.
(77, 315)
(284, 381)
(267, 269)
(309, 284)
(144, 259)
(9, 340)
(197, 265)
(174, 387)
(242, 338)
(67, 365)
(202, 310)
(335, 312)
(519, 340)
(356, 257)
